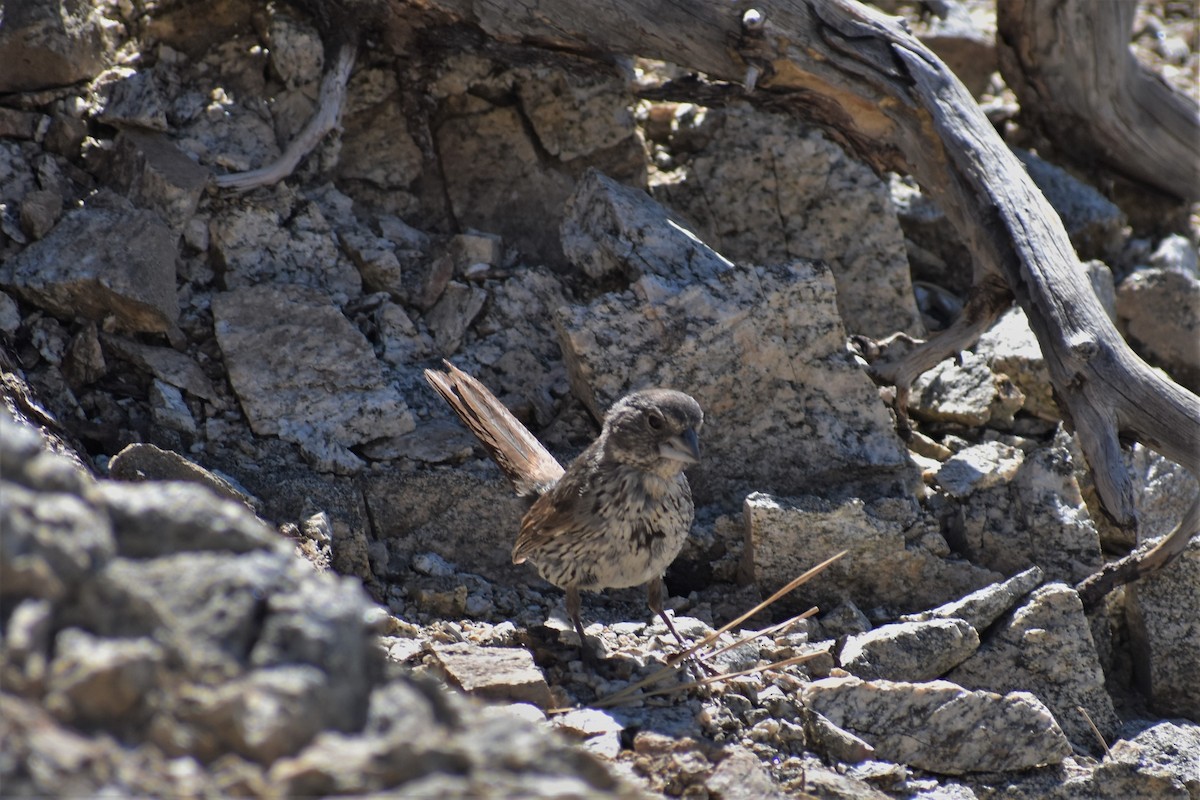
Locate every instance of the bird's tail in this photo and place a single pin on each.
(526, 463)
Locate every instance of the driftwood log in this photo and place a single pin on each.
(862, 77)
(1068, 61)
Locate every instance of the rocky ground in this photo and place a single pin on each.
(247, 551)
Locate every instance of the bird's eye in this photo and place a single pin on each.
(655, 420)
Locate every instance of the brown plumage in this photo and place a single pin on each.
(619, 513)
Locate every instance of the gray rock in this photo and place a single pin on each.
(611, 229)
(40, 211)
(1159, 313)
(495, 673)
(760, 189)
(145, 462)
(48, 548)
(264, 715)
(102, 262)
(1044, 522)
(377, 260)
(1010, 348)
(844, 619)
(169, 410)
(83, 362)
(303, 373)
(10, 315)
(785, 537)
(909, 651)
(97, 681)
(155, 174)
(1178, 254)
(27, 640)
(965, 38)
(1045, 647)
(1162, 611)
(983, 607)
(966, 394)
(450, 317)
(161, 518)
(979, 467)
(44, 45)
(165, 364)
(785, 406)
(833, 742)
(439, 512)
(280, 238)
(132, 98)
(941, 727)
(1166, 752)
(742, 776)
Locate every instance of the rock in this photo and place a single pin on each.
(741, 776)
(264, 715)
(611, 230)
(983, 607)
(155, 519)
(979, 467)
(40, 211)
(95, 681)
(145, 462)
(165, 364)
(377, 261)
(49, 44)
(785, 537)
(1162, 611)
(964, 37)
(833, 742)
(83, 362)
(1036, 517)
(941, 727)
(844, 619)
(1045, 647)
(304, 373)
(778, 388)
(1010, 348)
(10, 315)
(496, 673)
(763, 190)
(102, 261)
(965, 393)
(27, 647)
(1094, 223)
(169, 409)
(1159, 314)
(1152, 754)
(280, 238)
(132, 99)
(1178, 254)
(439, 511)
(449, 319)
(1162, 493)
(155, 174)
(909, 651)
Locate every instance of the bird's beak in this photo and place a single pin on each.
(683, 447)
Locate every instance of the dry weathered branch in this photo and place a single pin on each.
(1068, 61)
(327, 116)
(882, 93)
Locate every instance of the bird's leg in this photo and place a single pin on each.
(573, 602)
(654, 599)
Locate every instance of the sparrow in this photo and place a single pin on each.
(618, 515)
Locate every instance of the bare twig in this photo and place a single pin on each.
(327, 117)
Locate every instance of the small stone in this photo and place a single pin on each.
(910, 651)
(40, 211)
(494, 673)
(983, 607)
(979, 467)
(169, 409)
(940, 726)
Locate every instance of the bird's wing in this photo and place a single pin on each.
(554, 514)
(526, 463)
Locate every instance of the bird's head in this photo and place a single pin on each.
(654, 430)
